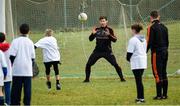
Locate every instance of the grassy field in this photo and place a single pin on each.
(105, 88)
(109, 91)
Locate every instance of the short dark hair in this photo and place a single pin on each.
(154, 14)
(102, 17)
(24, 29)
(2, 37)
(137, 27)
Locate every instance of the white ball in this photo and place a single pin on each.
(178, 72)
(82, 17)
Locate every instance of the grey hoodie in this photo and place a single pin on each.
(141, 38)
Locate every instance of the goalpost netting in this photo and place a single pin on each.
(61, 15)
(6, 21)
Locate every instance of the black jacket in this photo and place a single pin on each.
(103, 39)
(157, 36)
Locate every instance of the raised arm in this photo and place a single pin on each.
(110, 32)
(93, 34)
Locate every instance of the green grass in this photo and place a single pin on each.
(108, 91)
(105, 88)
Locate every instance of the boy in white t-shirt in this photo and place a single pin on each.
(51, 56)
(3, 74)
(4, 46)
(136, 55)
(22, 55)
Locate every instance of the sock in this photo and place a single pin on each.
(165, 87)
(119, 71)
(159, 89)
(87, 75)
(1, 100)
(88, 72)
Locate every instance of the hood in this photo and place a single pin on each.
(4, 46)
(141, 38)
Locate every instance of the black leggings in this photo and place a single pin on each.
(159, 64)
(95, 56)
(139, 85)
(48, 67)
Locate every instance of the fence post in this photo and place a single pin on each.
(65, 13)
(2, 14)
(130, 11)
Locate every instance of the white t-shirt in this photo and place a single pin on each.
(137, 46)
(2, 64)
(50, 49)
(23, 49)
(9, 67)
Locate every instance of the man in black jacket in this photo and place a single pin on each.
(104, 36)
(158, 43)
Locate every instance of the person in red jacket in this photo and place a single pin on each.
(4, 47)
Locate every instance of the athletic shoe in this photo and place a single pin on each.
(123, 80)
(5, 104)
(58, 86)
(48, 83)
(86, 81)
(140, 101)
(157, 98)
(164, 97)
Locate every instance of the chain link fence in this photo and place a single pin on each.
(61, 14)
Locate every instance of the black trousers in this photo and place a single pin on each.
(159, 64)
(95, 56)
(55, 66)
(139, 85)
(17, 84)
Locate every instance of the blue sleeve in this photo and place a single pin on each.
(4, 71)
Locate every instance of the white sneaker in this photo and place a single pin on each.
(140, 101)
